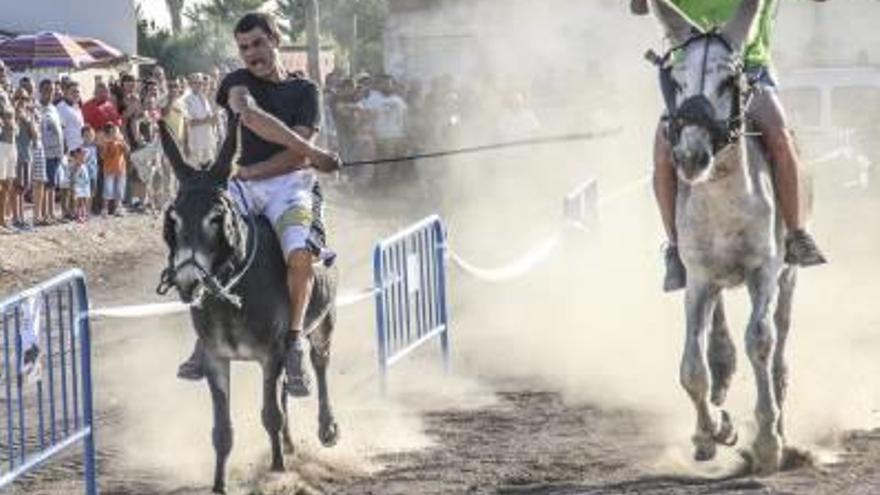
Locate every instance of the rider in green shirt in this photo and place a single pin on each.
(767, 114)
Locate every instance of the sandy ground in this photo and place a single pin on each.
(564, 381)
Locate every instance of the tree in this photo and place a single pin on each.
(338, 19)
(175, 10)
(224, 12)
(313, 40)
(198, 49)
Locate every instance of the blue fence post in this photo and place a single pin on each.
(86, 372)
(381, 330)
(441, 247)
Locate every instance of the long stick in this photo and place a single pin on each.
(564, 138)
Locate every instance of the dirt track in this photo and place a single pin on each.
(559, 386)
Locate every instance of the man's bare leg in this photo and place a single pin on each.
(801, 248)
(665, 190)
(300, 279)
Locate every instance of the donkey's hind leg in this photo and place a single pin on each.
(273, 417)
(328, 430)
(700, 301)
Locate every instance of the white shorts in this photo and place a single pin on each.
(114, 187)
(8, 161)
(289, 203)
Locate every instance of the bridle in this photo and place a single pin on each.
(698, 110)
(230, 272)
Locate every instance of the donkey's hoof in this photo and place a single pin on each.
(726, 435)
(328, 433)
(221, 489)
(277, 467)
(287, 446)
(766, 457)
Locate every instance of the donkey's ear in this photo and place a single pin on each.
(172, 150)
(736, 32)
(677, 26)
(223, 166)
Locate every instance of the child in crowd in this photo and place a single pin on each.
(81, 183)
(63, 182)
(91, 151)
(113, 150)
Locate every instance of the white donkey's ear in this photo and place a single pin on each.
(737, 30)
(677, 26)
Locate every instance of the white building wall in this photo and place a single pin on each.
(112, 21)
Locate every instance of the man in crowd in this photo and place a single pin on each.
(388, 112)
(200, 122)
(53, 144)
(8, 158)
(101, 110)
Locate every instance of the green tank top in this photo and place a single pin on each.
(715, 13)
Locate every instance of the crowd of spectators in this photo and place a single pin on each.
(64, 158)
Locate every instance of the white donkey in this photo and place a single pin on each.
(730, 232)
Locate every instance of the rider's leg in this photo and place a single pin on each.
(300, 278)
(665, 190)
(767, 112)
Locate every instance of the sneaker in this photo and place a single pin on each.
(801, 250)
(297, 378)
(193, 368)
(676, 275)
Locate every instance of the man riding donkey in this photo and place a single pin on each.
(280, 116)
(765, 112)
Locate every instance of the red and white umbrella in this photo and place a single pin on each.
(44, 50)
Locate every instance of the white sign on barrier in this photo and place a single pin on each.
(412, 273)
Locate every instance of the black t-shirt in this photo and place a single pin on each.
(293, 101)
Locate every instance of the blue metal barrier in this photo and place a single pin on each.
(49, 410)
(410, 280)
(581, 206)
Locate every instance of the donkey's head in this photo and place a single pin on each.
(203, 230)
(706, 75)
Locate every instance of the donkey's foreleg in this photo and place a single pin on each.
(761, 340)
(328, 430)
(273, 418)
(782, 318)
(695, 376)
(218, 383)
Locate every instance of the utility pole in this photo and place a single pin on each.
(313, 41)
(353, 55)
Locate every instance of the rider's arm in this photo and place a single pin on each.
(286, 160)
(640, 7)
(266, 126)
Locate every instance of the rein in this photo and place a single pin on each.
(210, 280)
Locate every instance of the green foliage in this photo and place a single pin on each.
(199, 48)
(337, 26)
(223, 12)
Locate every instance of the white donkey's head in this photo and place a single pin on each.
(705, 73)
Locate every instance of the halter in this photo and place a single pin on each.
(230, 269)
(698, 110)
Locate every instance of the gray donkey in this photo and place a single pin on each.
(730, 233)
(232, 271)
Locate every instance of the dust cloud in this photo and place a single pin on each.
(592, 322)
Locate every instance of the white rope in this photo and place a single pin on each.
(514, 270)
(171, 308)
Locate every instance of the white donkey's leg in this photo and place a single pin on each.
(782, 318)
(700, 301)
(761, 339)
